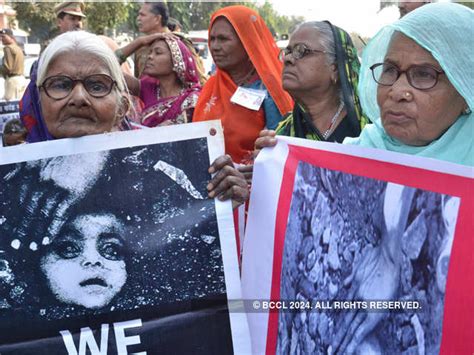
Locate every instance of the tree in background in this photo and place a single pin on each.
(37, 17)
(469, 4)
(277, 24)
(196, 15)
(103, 16)
(131, 22)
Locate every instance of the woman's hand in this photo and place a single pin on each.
(149, 39)
(247, 171)
(265, 139)
(228, 182)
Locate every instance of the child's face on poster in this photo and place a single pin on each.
(85, 264)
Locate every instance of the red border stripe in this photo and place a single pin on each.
(458, 327)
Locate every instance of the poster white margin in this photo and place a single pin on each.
(238, 319)
(261, 222)
(106, 141)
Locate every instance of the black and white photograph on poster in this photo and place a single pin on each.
(113, 251)
(10, 124)
(372, 258)
(8, 110)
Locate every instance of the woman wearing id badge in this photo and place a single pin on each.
(246, 92)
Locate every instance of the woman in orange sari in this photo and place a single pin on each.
(246, 92)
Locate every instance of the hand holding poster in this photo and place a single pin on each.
(351, 253)
(110, 245)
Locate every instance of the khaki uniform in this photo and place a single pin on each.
(75, 8)
(12, 71)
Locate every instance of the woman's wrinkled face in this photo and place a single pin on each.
(159, 62)
(85, 264)
(412, 116)
(310, 72)
(226, 48)
(80, 114)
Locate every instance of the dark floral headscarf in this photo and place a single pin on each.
(296, 123)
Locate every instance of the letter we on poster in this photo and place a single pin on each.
(367, 251)
(110, 245)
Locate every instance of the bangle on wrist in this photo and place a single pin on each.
(122, 58)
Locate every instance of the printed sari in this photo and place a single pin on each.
(174, 109)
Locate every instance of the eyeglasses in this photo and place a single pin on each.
(298, 51)
(421, 77)
(60, 86)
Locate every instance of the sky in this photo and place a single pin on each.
(361, 16)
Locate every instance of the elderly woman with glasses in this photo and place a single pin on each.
(82, 89)
(417, 85)
(320, 72)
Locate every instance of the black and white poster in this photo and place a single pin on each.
(372, 259)
(8, 110)
(110, 245)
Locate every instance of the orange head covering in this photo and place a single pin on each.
(242, 125)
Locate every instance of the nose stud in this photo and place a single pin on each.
(407, 95)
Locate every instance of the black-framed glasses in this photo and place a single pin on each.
(421, 77)
(298, 51)
(60, 86)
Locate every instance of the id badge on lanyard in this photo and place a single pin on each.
(249, 98)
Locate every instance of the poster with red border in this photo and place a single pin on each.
(356, 250)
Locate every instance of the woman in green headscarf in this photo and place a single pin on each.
(320, 72)
(417, 85)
